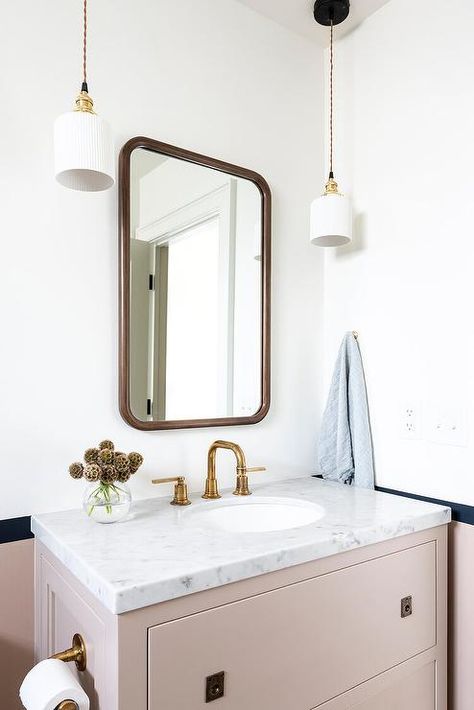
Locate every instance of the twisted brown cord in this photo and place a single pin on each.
(84, 46)
(331, 54)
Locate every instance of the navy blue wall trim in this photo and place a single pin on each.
(15, 529)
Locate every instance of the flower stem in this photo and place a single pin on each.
(102, 494)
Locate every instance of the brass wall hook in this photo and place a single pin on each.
(76, 653)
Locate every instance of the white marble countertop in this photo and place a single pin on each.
(160, 552)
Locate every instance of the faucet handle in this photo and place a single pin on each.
(180, 489)
(242, 484)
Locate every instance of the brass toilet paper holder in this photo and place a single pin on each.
(76, 653)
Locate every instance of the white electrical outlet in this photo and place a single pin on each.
(446, 424)
(410, 421)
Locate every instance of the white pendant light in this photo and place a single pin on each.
(331, 213)
(83, 146)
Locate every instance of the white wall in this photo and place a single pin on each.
(405, 152)
(209, 76)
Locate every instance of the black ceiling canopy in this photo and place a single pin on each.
(327, 11)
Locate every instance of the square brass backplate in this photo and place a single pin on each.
(406, 607)
(215, 686)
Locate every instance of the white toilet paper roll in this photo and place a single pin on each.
(48, 684)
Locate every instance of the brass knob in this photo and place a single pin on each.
(68, 705)
(180, 489)
(242, 484)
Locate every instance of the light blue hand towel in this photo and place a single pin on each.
(345, 444)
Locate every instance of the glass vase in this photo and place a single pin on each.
(107, 502)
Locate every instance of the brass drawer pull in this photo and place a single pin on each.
(215, 686)
(406, 607)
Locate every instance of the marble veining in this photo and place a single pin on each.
(162, 552)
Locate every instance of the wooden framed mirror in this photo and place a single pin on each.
(194, 276)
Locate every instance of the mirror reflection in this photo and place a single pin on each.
(195, 338)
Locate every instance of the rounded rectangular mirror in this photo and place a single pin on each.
(194, 289)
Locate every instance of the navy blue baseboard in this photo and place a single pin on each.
(15, 529)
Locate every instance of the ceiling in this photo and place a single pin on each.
(297, 15)
(144, 161)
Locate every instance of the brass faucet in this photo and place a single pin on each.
(180, 489)
(242, 483)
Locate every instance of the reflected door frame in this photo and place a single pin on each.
(221, 204)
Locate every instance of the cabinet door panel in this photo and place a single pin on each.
(61, 613)
(301, 645)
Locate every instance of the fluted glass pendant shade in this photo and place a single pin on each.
(83, 146)
(83, 149)
(331, 218)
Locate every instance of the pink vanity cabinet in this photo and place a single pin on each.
(332, 634)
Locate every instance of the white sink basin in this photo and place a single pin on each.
(257, 514)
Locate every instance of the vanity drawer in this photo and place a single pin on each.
(298, 646)
(409, 686)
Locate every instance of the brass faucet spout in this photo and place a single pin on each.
(211, 490)
(242, 488)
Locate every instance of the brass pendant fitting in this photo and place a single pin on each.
(84, 103)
